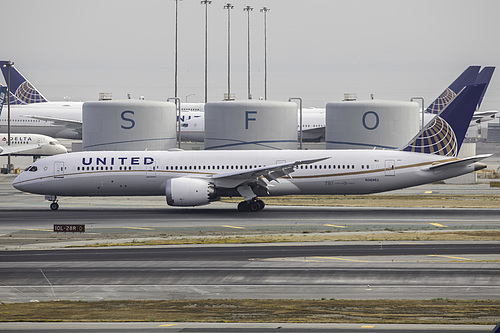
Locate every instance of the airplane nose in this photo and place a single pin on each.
(17, 183)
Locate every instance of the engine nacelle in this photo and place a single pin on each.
(189, 192)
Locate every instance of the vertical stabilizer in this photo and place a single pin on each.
(467, 77)
(21, 90)
(484, 77)
(446, 132)
(3, 94)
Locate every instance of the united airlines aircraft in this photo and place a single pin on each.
(193, 178)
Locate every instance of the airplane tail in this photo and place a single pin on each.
(446, 132)
(467, 77)
(3, 93)
(484, 77)
(21, 90)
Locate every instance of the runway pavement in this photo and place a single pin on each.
(238, 328)
(390, 271)
(417, 270)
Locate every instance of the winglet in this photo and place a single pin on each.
(21, 90)
(446, 132)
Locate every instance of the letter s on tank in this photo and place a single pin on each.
(124, 118)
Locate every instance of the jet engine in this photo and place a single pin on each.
(189, 192)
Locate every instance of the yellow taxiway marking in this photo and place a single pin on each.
(335, 226)
(438, 225)
(39, 229)
(367, 326)
(167, 325)
(336, 258)
(139, 228)
(232, 226)
(427, 192)
(435, 255)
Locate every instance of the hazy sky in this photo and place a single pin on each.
(317, 49)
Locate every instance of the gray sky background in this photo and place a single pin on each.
(317, 49)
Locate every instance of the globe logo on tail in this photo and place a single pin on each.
(27, 94)
(439, 139)
(441, 102)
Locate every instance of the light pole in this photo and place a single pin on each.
(206, 3)
(175, 60)
(228, 6)
(8, 64)
(248, 9)
(265, 10)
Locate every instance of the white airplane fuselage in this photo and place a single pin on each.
(145, 173)
(22, 121)
(30, 145)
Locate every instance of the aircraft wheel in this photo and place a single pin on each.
(261, 204)
(254, 206)
(243, 206)
(54, 206)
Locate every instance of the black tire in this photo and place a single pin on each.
(54, 206)
(261, 203)
(254, 206)
(243, 206)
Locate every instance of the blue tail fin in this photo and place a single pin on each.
(21, 90)
(446, 132)
(467, 77)
(484, 77)
(3, 94)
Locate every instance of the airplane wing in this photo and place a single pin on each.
(72, 124)
(270, 173)
(460, 162)
(482, 116)
(16, 149)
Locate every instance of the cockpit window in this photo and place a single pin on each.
(32, 168)
(53, 143)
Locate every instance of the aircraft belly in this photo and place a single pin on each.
(106, 185)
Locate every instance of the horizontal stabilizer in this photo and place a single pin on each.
(459, 163)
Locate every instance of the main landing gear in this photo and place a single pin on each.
(253, 205)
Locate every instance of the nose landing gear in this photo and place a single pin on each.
(54, 205)
(253, 205)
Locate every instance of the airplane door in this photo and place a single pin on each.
(58, 169)
(390, 168)
(151, 170)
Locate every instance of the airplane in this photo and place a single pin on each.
(195, 178)
(314, 121)
(313, 125)
(469, 76)
(31, 112)
(35, 145)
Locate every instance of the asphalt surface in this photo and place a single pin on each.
(236, 328)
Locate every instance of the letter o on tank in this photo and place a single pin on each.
(370, 120)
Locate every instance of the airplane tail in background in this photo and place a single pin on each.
(484, 77)
(3, 94)
(467, 78)
(446, 132)
(21, 90)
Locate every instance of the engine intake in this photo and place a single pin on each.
(189, 192)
